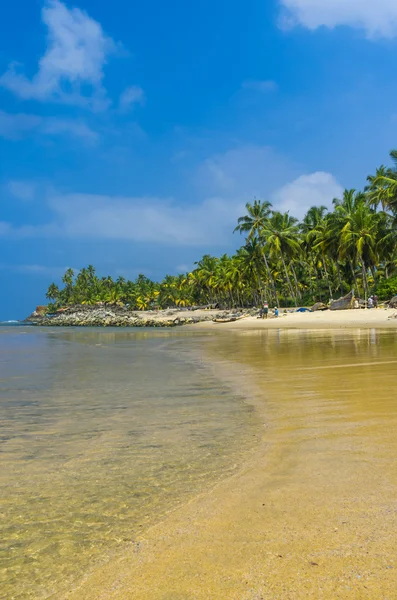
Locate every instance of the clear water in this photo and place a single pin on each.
(101, 433)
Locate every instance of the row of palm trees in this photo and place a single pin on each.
(282, 260)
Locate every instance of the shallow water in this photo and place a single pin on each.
(312, 513)
(101, 433)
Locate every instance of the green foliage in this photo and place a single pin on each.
(282, 261)
(387, 288)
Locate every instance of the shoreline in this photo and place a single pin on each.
(381, 318)
(309, 514)
(84, 316)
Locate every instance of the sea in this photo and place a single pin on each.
(104, 432)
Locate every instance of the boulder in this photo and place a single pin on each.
(393, 302)
(319, 306)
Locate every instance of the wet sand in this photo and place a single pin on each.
(313, 512)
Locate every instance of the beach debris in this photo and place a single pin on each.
(319, 306)
(229, 318)
(343, 303)
(393, 302)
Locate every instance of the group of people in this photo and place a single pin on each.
(264, 311)
(372, 302)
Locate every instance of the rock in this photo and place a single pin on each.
(392, 303)
(319, 306)
(102, 315)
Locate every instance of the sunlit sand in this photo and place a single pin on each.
(312, 512)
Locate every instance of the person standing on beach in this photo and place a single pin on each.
(265, 310)
(370, 303)
(375, 301)
(275, 311)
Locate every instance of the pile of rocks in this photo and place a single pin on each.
(121, 316)
(116, 316)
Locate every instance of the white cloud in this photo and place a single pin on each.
(144, 219)
(263, 87)
(243, 172)
(57, 126)
(22, 190)
(39, 270)
(71, 69)
(298, 196)
(154, 220)
(13, 127)
(227, 182)
(131, 95)
(377, 19)
(16, 126)
(183, 268)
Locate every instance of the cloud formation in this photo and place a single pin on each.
(39, 270)
(316, 189)
(225, 181)
(147, 219)
(132, 95)
(377, 19)
(166, 221)
(71, 69)
(15, 126)
(21, 190)
(243, 172)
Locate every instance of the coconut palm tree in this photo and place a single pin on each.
(316, 232)
(382, 188)
(359, 238)
(254, 223)
(52, 292)
(281, 236)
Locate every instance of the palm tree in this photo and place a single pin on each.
(359, 237)
(316, 235)
(382, 188)
(206, 270)
(52, 292)
(281, 238)
(254, 223)
(250, 260)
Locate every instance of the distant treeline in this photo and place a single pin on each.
(282, 260)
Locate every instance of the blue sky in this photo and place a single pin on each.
(132, 134)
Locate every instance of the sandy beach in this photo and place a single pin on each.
(312, 512)
(343, 319)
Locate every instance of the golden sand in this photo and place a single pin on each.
(313, 512)
(383, 318)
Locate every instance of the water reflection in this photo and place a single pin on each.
(102, 432)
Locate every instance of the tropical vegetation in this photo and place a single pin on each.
(282, 260)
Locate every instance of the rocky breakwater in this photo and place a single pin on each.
(120, 316)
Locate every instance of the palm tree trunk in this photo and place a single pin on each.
(269, 273)
(318, 290)
(298, 294)
(327, 277)
(238, 297)
(288, 279)
(260, 284)
(339, 277)
(373, 271)
(364, 276)
(354, 277)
